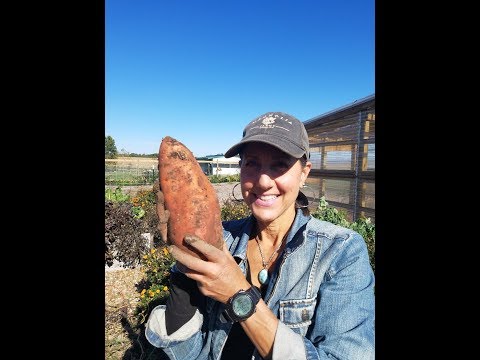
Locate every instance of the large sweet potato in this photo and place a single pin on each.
(188, 196)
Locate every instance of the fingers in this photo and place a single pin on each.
(208, 250)
(217, 274)
(182, 268)
(186, 262)
(162, 213)
(156, 186)
(162, 225)
(161, 207)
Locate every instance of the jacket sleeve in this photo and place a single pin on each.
(175, 327)
(185, 298)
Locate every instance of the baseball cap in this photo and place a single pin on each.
(278, 129)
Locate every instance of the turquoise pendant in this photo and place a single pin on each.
(263, 276)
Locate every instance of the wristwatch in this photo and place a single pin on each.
(243, 304)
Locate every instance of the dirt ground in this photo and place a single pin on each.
(121, 299)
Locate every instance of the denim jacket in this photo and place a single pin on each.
(321, 290)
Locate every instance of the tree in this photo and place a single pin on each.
(110, 148)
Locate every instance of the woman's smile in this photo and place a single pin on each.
(266, 200)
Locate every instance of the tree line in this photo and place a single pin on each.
(111, 151)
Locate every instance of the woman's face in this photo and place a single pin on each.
(270, 181)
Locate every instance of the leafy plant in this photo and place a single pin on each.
(330, 214)
(363, 226)
(123, 235)
(138, 212)
(116, 195)
(366, 228)
(154, 288)
(126, 219)
(233, 210)
(224, 178)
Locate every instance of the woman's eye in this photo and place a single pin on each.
(250, 163)
(280, 165)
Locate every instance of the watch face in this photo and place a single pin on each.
(242, 305)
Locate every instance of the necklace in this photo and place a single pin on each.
(263, 274)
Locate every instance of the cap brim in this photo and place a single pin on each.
(234, 150)
(280, 143)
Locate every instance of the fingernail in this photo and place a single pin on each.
(189, 239)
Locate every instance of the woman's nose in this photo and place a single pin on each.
(264, 180)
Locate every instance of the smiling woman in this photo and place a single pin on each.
(259, 293)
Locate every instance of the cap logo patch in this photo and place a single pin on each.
(268, 121)
(271, 121)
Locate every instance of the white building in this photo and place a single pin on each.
(219, 165)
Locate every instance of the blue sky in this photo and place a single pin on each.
(200, 70)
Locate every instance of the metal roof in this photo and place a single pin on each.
(341, 111)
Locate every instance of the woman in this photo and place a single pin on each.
(286, 285)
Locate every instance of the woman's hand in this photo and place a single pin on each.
(218, 277)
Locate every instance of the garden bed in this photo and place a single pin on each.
(123, 339)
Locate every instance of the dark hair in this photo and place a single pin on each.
(302, 201)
